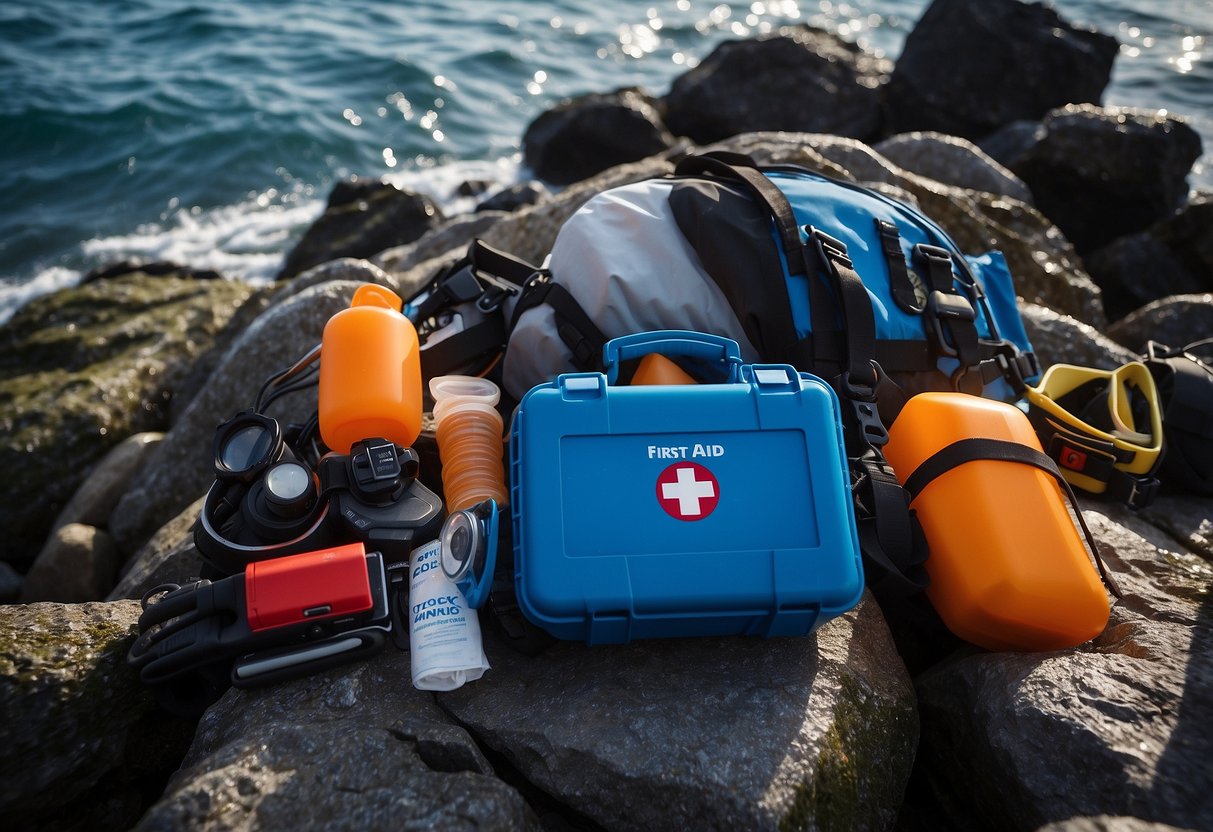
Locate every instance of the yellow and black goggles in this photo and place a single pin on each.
(1103, 428)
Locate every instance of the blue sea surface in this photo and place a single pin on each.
(211, 133)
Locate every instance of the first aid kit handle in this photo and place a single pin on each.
(671, 342)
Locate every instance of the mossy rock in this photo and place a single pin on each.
(85, 747)
(82, 369)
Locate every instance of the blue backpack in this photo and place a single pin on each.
(833, 278)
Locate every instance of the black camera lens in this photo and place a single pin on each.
(246, 445)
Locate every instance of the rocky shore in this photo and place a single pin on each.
(110, 393)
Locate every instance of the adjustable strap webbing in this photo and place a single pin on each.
(1093, 457)
(971, 450)
(899, 276)
(575, 328)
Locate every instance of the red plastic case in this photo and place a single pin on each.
(311, 587)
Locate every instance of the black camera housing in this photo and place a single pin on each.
(370, 495)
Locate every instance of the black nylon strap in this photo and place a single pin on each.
(578, 332)
(899, 275)
(742, 169)
(971, 450)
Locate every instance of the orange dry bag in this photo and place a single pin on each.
(370, 373)
(1007, 565)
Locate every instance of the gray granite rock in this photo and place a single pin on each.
(1060, 339)
(352, 749)
(78, 563)
(82, 369)
(83, 743)
(181, 468)
(954, 73)
(97, 495)
(1175, 321)
(952, 161)
(1118, 726)
(454, 235)
(740, 733)
(169, 557)
(516, 196)
(801, 79)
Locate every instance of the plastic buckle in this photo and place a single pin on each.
(1142, 491)
(871, 427)
(497, 290)
(830, 249)
(943, 308)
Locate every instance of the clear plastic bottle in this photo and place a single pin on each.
(370, 372)
(469, 433)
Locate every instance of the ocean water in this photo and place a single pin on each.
(211, 134)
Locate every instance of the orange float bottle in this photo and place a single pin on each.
(469, 433)
(370, 372)
(1008, 567)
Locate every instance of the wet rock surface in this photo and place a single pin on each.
(84, 745)
(363, 217)
(951, 75)
(1130, 165)
(1131, 708)
(81, 370)
(356, 749)
(802, 80)
(584, 136)
(829, 731)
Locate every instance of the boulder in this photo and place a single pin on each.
(454, 234)
(1060, 339)
(97, 495)
(10, 583)
(801, 80)
(1101, 173)
(952, 161)
(954, 76)
(1173, 257)
(1185, 518)
(1175, 321)
(737, 733)
(352, 749)
(169, 557)
(78, 563)
(586, 135)
(363, 217)
(517, 196)
(82, 369)
(181, 468)
(1118, 726)
(84, 747)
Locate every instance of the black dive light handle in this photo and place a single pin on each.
(370, 495)
(197, 639)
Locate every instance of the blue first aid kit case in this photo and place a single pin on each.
(682, 510)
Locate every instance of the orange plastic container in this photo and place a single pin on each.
(655, 368)
(370, 372)
(1007, 564)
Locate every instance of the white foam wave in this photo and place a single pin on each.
(247, 241)
(15, 295)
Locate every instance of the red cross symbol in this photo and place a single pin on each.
(688, 491)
